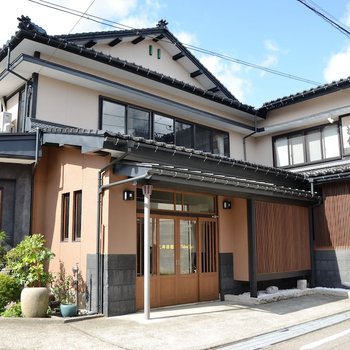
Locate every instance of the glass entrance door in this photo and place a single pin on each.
(183, 258)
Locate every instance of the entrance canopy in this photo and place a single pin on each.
(172, 166)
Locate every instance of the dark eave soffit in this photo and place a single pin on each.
(159, 37)
(114, 42)
(196, 73)
(90, 44)
(178, 56)
(138, 39)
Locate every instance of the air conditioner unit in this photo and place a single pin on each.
(5, 122)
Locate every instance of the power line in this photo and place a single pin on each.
(326, 16)
(117, 25)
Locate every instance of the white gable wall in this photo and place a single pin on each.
(139, 54)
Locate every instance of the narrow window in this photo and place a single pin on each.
(158, 54)
(65, 217)
(77, 215)
(150, 50)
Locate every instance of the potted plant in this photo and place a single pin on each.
(64, 291)
(26, 262)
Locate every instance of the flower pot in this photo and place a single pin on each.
(34, 301)
(68, 310)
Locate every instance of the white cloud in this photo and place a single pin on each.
(187, 38)
(230, 75)
(133, 13)
(271, 45)
(338, 66)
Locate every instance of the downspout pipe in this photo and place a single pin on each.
(8, 66)
(100, 190)
(245, 138)
(98, 230)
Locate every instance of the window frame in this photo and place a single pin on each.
(341, 118)
(304, 133)
(77, 214)
(178, 203)
(65, 207)
(153, 113)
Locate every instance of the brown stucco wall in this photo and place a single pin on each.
(233, 235)
(59, 171)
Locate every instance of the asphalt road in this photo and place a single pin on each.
(330, 338)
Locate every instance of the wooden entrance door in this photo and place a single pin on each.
(183, 260)
(178, 252)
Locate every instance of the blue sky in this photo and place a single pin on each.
(282, 35)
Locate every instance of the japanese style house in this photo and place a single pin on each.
(102, 132)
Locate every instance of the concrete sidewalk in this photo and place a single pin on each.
(194, 326)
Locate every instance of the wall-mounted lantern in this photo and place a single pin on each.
(226, 204)
(128, 195)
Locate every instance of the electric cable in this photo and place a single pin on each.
(117, 25)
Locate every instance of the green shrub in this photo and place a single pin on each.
(12, 310)
(27, 260)
(2, 249)
(10, 290)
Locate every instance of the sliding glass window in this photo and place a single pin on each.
(309, 146)
(137, 122)
(113, 117)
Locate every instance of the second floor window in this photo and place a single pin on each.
(134, 121)
(307, 146)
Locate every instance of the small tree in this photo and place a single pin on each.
(27, 260)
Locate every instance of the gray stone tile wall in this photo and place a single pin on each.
(332, 268)
(119, 284)
(227, 283)
(16, 180)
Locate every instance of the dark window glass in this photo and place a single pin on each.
(159, 200)
(198, 203)
(203, 139)
(65, 217)
(163, 129)
(77, 215)
(138, 123)
(113, 117)
(173, 201)
(184, 134)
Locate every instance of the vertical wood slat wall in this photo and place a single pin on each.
(282, 234)
(332, 218)
(208, 250)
